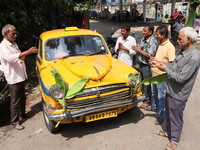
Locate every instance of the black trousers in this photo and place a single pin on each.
(18, 102)
(146, 73)
(174, 117)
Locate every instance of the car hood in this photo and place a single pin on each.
(95, 67)
(101, 70)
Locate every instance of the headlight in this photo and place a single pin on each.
(134, 79)
(56, 93)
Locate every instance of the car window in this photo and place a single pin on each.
(73, 46)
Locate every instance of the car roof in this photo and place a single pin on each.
(61, 33)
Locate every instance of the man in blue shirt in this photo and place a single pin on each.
(147, 49)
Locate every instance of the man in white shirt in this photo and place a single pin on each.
(12, 61)
(124, 44)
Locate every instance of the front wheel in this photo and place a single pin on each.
(49, 123)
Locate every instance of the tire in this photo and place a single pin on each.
(49, 123)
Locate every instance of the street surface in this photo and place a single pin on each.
(132, 130)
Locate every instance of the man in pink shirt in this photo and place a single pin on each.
(12, 61)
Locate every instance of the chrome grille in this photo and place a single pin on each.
(100, 99)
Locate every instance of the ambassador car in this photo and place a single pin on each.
(79, 79)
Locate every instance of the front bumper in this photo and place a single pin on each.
(69, 115)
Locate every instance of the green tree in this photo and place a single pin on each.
(31, 17)
(192, 12)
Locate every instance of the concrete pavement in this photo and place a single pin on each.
(191, 131)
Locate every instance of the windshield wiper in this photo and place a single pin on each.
(70, 56)
(99, 52)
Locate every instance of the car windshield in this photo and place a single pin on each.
(63, 47)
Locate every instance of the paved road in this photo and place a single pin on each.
(133, 130)
(104, 27)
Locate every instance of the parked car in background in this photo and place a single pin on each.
(93, 14)
(117, 16)
(79, 79)
(105, 14)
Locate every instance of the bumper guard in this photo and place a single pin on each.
(68, 115)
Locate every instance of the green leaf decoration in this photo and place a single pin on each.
(61, 85)
(68, 93)
(135, 77)
(77, 87)
(59, 80)
(62, 102)
(155, 80)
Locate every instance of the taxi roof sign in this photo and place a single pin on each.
(71, 29)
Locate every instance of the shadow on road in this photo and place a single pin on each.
(34, 110)
(5, 114)
(81, 129)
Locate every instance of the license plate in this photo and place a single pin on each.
(102, 115)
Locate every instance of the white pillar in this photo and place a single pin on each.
(131, 12)
(120, 8)
(101, 8)
(173, 7)
(144, 10)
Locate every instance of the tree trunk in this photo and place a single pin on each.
(192, 14)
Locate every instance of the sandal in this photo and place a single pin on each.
(19, 126)
(159, 121)
(144, 105)
(171, 145)
(162, 133)
(149, 108)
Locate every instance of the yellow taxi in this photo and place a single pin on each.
(79, 79)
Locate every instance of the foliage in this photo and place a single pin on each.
(82, 7)
(192, 12)
(32, 17)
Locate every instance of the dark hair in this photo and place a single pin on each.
(126, 27)
(179, 17)
(150, 28)
(162, 30)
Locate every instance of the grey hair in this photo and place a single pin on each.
(190, 32)
(6, 29)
